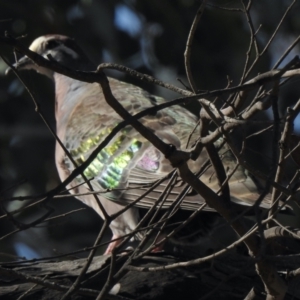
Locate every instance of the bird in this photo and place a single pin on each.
(125, 168)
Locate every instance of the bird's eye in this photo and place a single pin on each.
(52, 44)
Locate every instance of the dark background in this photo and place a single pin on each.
(148, 36)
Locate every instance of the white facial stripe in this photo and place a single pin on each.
(65, 49)
(36, 44)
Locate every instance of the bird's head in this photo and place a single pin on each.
(59, 48)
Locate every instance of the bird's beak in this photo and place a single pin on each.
(23, 63)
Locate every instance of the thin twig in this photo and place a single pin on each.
(189, 44)
(271, 38)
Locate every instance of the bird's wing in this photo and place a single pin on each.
(129, 165)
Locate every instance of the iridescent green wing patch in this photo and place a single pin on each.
(110, 177)
(111, 162)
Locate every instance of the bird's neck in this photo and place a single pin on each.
(68, 94)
